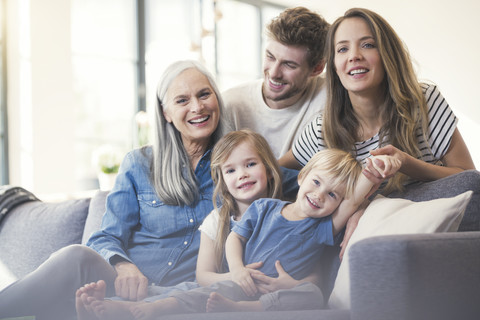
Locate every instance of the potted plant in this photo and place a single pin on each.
(106, 159)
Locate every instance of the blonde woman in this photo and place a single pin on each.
(376, 105)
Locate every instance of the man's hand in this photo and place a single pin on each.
(130, 283)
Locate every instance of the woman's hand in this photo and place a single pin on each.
(266, 284)
(130, 283)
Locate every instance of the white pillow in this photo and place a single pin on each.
(385, 216)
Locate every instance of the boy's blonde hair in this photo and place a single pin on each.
(229, 207)
(341, 166)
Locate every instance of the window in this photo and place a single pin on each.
(114, 82)
(3, 106)
(112, 53)
(240, 39)
(104, 57)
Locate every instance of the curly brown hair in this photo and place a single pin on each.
(301, 27)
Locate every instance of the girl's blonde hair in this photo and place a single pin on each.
(229, 207)
(341, 166)
(404, 109)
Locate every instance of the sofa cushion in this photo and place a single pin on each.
(30, 232)
(448, 187)
(385, 216)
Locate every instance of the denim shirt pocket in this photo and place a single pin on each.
(157, 218)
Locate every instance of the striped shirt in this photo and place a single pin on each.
(441, 125)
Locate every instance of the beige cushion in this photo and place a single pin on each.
(385, 216)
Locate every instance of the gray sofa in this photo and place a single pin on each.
(418, 276)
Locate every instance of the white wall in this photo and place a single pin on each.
(441, 35)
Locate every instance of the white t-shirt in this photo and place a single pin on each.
(209, 225)
(441, 125)
(245, 108)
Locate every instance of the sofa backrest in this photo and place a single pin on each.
(32, 231)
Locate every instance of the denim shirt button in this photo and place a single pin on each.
(154, 201)
(170, 263)
(191, 220)
(185, 242)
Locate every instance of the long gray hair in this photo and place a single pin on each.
(172, 176)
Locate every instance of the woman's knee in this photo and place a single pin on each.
(75, 252)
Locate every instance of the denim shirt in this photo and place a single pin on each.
(161, 240)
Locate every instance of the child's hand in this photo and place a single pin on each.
(390, 150)
(266, 284)
(386, 165)
(242, 277)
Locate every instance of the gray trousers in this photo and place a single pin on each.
(302, 297)
(49, 292)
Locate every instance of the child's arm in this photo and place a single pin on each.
(266, 284)
(349, 205)
(207, 272)
(239, 273)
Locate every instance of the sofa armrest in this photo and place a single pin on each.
(422, 276)
(96, 209)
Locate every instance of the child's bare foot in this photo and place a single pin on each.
(95, 289)
(113, 310)
(85, 296)
(145, 311)
(218, 303)
(153, 310)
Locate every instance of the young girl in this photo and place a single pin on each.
(243, 169)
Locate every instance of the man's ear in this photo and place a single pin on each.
(318, 68)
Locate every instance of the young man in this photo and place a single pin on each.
(292, 90)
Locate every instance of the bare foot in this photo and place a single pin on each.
(112, 309)
(218, 303)
(84, 298)
(145, 311)
(153, 310)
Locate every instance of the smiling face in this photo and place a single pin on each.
(316, 198)
(357, 60)
(286, 73)
(245, 175)
(192, 106)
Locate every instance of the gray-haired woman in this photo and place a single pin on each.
(149, 230)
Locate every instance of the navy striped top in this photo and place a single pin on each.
(442, 124)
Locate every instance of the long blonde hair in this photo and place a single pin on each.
(229, 207)
(405, 106)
